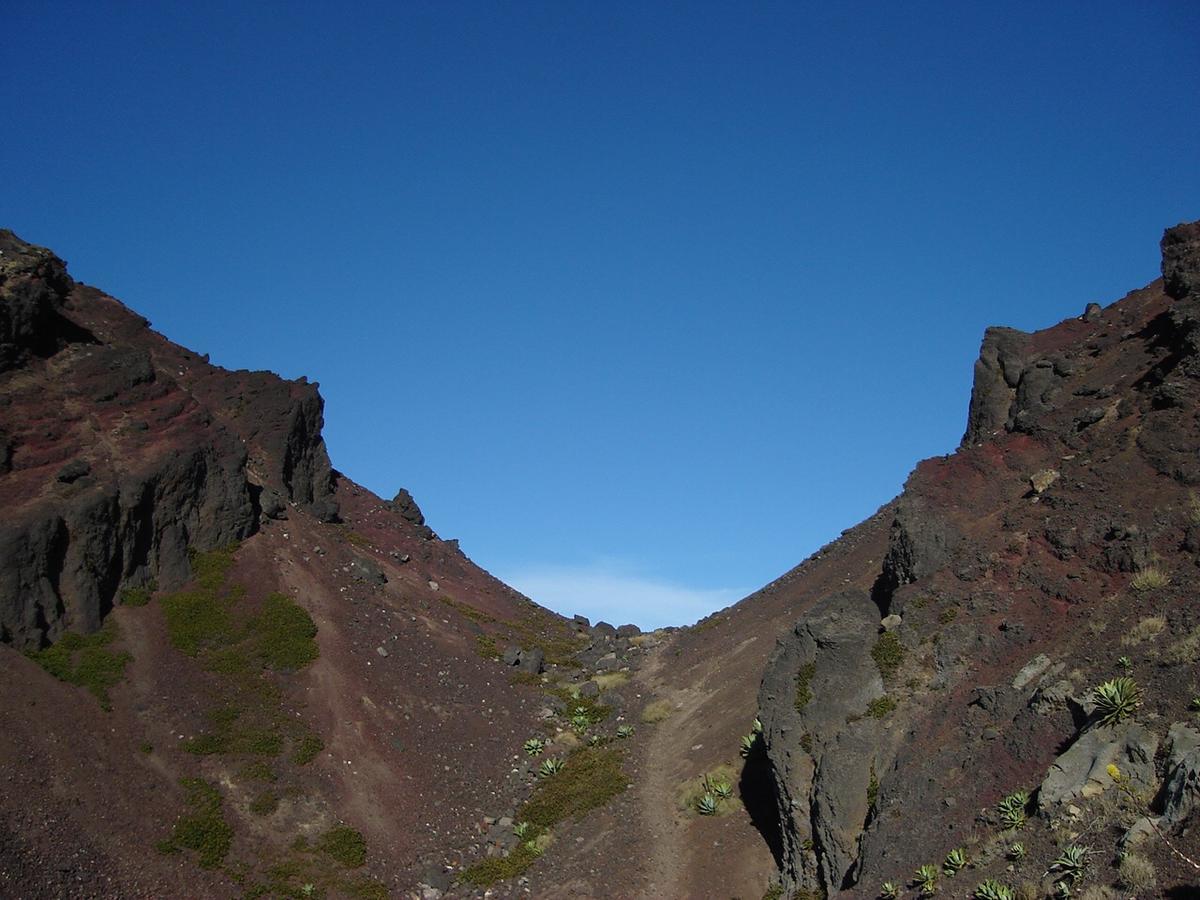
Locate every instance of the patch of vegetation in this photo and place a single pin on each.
(1185, 651)
(925, 879)
(467, 611)
(485, 646)
(306, 749)
(888, 654)
(345, 845)
(608, 680)
(656, 711)
(264, 804)
(354, 539)
(233, 732)
(138, 596)
(955, 860)
(528, 678)
(1149, 579)
(806, 742)
(283, 635)
(590, 779)
(872, 788)
(146, 747)
(258, 771)
(1012, 809)
(86, 661)
(1145, 630)
(1137, 874)
(804, 685)
(582, 709)
(881, 706)
(709, 795)
(709, 622)
(947, 615)
(774, 892)
(204, 830)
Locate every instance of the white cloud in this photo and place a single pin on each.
(610, 592)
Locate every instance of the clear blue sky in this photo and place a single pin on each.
(643, 301)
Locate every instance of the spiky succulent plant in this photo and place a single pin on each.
(624, 731)
(1116, 699)
(706, 804)
(534, 746)
(551, 766)
(889, 891)
(994, 890)
(954, 861)
(1071, 862)
(926, 880)
(1012, 809)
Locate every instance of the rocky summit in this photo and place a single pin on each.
(226, 670)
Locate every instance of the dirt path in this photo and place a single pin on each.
(666, 868)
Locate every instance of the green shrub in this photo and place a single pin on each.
(550, 767)
(804, 685)
(264, 804)
(889, 891)
(137, 596)
(307, 748)
(706, 805)
(204, 830)
(345, 845)
(282, 635)
(880, 706)
(85, 661)
(888, 654)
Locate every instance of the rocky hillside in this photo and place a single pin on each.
(229, 671)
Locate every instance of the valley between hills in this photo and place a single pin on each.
(227, 670)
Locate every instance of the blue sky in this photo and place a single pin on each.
(643, 302)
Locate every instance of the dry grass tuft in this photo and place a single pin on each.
(1145, 630)
(656, 711)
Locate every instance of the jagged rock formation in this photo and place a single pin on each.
(1004, 563)
(122, 451)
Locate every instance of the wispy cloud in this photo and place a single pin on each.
(613, 593)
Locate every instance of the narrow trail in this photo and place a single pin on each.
(666, 868)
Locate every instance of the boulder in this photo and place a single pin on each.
(367, 571)
(1082, 770)
(1179, 797)
(604, 630)
(628, 631)
(532, 660)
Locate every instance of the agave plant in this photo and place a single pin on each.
(757, 728)
(994, 890)
(1012, 809)
(1116, 699)
(1062, 890)
(534, 848)
(1125, 663)
(534, 747)
(749, 742)
(1071, 862)
(1016, 851)
(551, 766)
(722, 788)
(926, 880)
(706, 804)
(624, 731)
(581, 721)
(521, 829)
(954, 861)
(889, 891)
(1194, 706)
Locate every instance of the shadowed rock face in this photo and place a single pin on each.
(819, 678)
(122, 451)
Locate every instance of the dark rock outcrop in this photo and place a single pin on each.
(122, 451)
(825, 753)
(1181, 260)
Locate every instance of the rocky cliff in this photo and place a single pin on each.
(1054, 552)
(120, 451)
